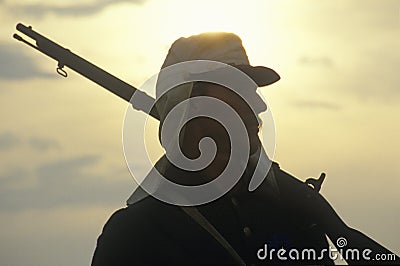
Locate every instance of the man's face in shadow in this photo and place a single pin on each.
(201, 127)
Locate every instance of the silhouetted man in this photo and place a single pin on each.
(241, 227)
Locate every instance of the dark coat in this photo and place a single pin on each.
(151, 232)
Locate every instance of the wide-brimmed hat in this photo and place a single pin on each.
(221, 47)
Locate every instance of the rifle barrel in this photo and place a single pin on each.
(65, 57)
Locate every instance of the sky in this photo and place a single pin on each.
(336, 109)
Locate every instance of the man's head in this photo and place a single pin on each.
(220, 47)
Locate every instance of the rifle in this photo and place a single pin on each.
(65, 57)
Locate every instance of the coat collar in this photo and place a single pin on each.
(263, 178)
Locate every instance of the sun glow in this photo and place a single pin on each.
(184, 18)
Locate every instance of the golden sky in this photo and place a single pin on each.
(336, 109)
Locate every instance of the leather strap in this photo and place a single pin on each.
(195, 214)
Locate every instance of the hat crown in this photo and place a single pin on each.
(215, 46)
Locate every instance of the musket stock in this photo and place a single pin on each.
(65, 57)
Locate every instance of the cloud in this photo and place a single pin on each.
(362, 56)
(317, 105)
(82, 9)
(8, 141)
(62, 183)
(371, 73)
(316, 61)
(43, 144)
(374, 77)
(65, 169)
(12, 177)
(16, 66)
(381, 15)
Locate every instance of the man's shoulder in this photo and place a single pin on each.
(286, 182)
(131, 232)
(148, 210)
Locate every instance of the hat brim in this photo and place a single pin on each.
(263, 76)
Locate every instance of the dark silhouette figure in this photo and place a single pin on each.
(241, 227)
